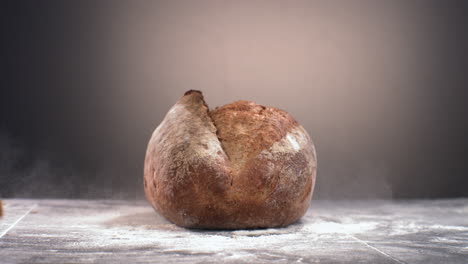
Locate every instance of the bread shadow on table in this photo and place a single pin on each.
(153, 221)
(257, 232)
(146, 220)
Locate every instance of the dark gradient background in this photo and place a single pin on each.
(379, 85)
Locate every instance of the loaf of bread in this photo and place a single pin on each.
(240, 166)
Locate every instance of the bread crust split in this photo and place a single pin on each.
(239, 166)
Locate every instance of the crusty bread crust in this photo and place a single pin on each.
(239, 166)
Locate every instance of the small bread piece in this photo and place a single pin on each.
(239, 166)
(1, 208)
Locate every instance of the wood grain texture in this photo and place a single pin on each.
(79, 231)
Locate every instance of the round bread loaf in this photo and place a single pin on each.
(239, 166)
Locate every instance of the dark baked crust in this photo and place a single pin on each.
(239, 166)
(245, 129)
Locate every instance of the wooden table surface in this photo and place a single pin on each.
(112, 231)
